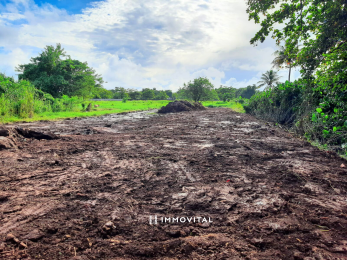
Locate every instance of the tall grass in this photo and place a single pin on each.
(21, 100)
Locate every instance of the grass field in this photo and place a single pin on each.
(231, 104)
(111, 107)
(106, 107)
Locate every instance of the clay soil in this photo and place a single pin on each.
(90, 193)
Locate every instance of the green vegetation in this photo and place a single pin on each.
(120, 93)
(105, 107)
(269, 79)
(315, 106)
(234, 105)
(22, 100)
(199, 89)
(282, 60)
(222, 93)
(56, 73)
(54, 86)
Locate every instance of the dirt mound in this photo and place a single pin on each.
(28, 133)
(10, 137)
(180, 106)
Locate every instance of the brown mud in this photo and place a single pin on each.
(180, 106)
(90, 193)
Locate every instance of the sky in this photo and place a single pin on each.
(139, 44)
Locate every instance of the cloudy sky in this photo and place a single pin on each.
(140, 43)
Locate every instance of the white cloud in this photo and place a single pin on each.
(241, 84)
(140, 43)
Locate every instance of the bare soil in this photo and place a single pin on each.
(180, 106)
(90, 193)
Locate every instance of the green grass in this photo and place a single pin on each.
(237, 107)
(106, 107)
(112, 107)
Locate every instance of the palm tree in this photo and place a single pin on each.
(282, 59)
(269, 78)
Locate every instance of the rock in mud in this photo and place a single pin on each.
(35, 134)
(180, 106)
(34, 235)
(6, 143)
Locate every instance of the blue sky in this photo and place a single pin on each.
(140, 43)
(71, 6)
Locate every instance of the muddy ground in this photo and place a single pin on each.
(90, 194)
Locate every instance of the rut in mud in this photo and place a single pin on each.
(90, 193)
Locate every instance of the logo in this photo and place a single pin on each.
(154, 220)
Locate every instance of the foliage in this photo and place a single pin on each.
(169, 93)
(318, 116)
(233, 104)
(161, 95)
(269, 79)
(199, 89)
(282, 60)
(56, 73)
(320, 27)
(148, 94)
(102, 93)
(134, 94)
(249, 91)
(125, 98)
(119, 93)
(21, 99)
(106, 107)
(277, 104)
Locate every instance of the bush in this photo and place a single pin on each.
(279, 104)
(21, 99)
(318, 113)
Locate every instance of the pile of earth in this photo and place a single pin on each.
(10, 137)
(180, 106)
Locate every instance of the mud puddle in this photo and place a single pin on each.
(91, 193)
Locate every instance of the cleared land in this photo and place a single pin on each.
(90, 193)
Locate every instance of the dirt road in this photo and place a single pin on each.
(90, 194)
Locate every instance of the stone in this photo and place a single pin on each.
(34, 235)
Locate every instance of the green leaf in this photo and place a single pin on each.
(319, 110)
(314, 117)
(334, 129)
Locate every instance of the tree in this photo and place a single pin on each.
(169, 93)
(199, 89)
(161, 95)
(134, 94)
(147, 94)
(56, 73)
(282, 60)
(225, 92)
(181, 94)
(269, 78)
(102, 93)
(319, 25)
(119, 93)
(249, 91)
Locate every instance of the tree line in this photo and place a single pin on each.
(57, 74)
